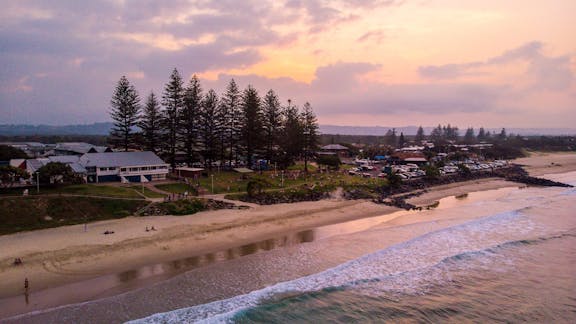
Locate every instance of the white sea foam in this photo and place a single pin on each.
(412, 257)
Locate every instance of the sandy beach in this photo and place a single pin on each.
(63, 256)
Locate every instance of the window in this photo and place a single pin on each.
(133, 169)
(123, 169)
(103, 169)
(112, 169)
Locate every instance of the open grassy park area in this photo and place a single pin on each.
(74, 204)
(228, 182)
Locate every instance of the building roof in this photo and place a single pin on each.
(189, 169)
(243, 170)
(80, 147)
(17, 162)
(64, 158)
(32, 165)
(415, 159)
(335, 147)
(118, 159)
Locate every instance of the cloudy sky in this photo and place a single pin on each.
(489, 63)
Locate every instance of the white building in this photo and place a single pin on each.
(124, 167)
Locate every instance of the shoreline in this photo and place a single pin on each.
(76, 254)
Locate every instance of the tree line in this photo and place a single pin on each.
(189, 125)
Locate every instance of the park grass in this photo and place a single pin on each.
(97, 190)
(147, 192)
(32, 213)
(177, 188)
(79, 189)
(229, 182)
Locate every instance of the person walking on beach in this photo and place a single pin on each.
(26, 285)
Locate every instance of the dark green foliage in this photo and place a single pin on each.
(481, 134)
(232, 122)
(190, 119)
(502, 135)
(173, 102)
(464, 170)
(272, 124)
(183, 207)
(501, 151)
(309, 134)
(390, 138)
(251, 133)
(209, 128)
(332, 161)
(288, 196)
(8, 153)
(291, 142)
(419, 134)
(432, 172)
(469, 137)
(150, 124)
(255, 187)
(56, 173)
(442, 134)
(394, 180)
(10, 175)
(30, 213)
(124, 111)
(401, 140)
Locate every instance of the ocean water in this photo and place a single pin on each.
(517, 264)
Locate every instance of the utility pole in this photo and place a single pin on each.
(37, 182)
(212, 176)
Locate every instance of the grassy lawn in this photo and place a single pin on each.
(174, 187)
(93, 190)
(147, 192)
(80, 189)
(233, 182)
(30, 213)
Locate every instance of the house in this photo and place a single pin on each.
(78, 148)
(185, 172)
(124, 166)
(32, 149)
(340, 150)
(33, 165)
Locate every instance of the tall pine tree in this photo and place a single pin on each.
(150, 124)
(209, 130)
(419, 135)
(232, 120)
(251, 134)
(469, 136)
(124, 110)
(291, 141)
(189, 119)
(173, 102)
(272, 124)
(310, 134)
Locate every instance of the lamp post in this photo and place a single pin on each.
(37, 182)
(212, 176)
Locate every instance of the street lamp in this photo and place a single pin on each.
(212, 176)
(37, 182)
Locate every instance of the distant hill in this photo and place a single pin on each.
(86, 129)
(104, 129)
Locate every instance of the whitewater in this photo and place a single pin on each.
(516, 247)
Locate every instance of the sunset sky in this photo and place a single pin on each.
(489, 63)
